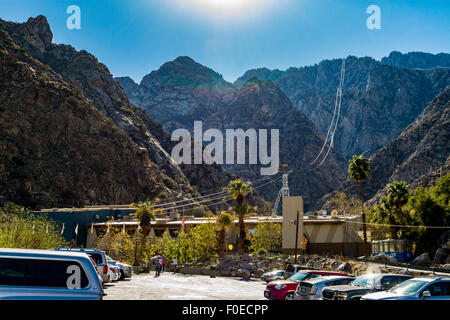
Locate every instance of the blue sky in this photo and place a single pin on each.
(134, 37)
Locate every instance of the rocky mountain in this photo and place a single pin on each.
(92, 80)
(419, 60)
(183, 91)
(375, 95)
(56, 148)
(419, 155)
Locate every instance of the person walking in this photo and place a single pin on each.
(175, 263)
(158, 268)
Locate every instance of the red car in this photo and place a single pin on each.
(285, 289)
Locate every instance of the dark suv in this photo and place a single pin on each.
(363, 285)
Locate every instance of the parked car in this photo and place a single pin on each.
(273, 275)
(48, 275)
(292, 269)
(312, 289)
(99, 257)
(363, 285)
(415, 289)
(126, 271)
(113, 272)
(285, 289)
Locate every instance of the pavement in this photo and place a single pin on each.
(170, 286)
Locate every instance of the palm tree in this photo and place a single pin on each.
(145, 213)
(385, 210)
(359, 168)
(224, 220)
(399, 194)
(237, 190)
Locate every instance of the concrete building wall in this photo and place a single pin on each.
(292, 205)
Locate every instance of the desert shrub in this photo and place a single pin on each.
(21, 229)
(267, 236)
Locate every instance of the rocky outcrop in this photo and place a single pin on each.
(82, 70)
(183, 91)
(375, 96)
(419, 60)
(418, 156)
(56, 148)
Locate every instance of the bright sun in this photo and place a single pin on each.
(227, 6)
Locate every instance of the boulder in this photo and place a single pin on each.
(244, 273)
(233, 273)
(383, 257)
(423, 259)
(447, 266)
(345, 267)
(249, 266)
(440, 256)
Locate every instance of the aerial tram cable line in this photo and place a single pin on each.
(213, 194)
(335, 119)
(217, 197)
(338, 115)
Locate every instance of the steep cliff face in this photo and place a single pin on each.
(83, 70)
(56, 148)
(419, 154)
(375, 96)
(419, 60)
(183, 91)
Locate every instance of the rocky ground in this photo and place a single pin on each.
(253, 266)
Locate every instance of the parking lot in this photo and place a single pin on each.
(171, 286)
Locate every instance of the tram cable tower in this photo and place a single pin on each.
(284, 191)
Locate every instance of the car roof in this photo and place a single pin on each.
(429, 279)
(327, 278)
(40, 253)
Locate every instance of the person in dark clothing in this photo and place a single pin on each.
(157, 268)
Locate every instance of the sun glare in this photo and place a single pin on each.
(227, 7)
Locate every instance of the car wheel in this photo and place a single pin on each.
(122, 275)
(289, 296)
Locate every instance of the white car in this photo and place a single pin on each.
(114, 272)
(415, 289)
(312, 289)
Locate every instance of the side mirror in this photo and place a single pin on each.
(426, 294)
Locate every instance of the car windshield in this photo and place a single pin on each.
(366, 281)
(409, 287)
(299, 276)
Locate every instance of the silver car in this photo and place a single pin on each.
(415, 289)
(126, 271)
(273, 275)
(312, 289)
(48, 275)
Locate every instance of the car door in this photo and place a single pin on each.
(43, 279)
(438, 290)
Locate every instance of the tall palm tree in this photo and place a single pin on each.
(399, 194)
(238, 189)
(145, 213)
(359, 168)
(224, 220)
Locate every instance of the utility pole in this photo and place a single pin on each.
(296, 235)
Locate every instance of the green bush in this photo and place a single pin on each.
(21, 229)
(267, 237)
